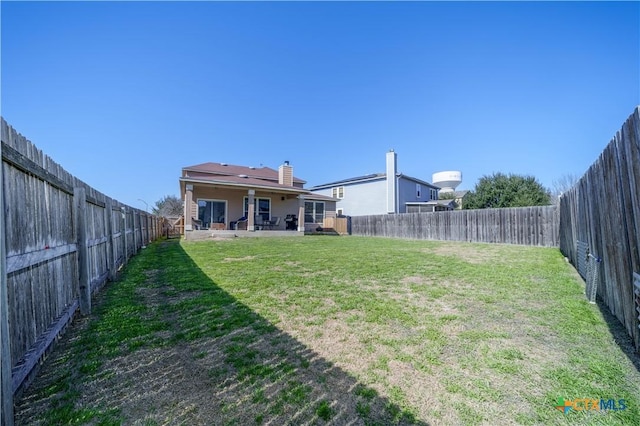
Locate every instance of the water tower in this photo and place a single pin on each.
(447, 180)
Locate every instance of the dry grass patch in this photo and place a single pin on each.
(238, 259)
(476, 254)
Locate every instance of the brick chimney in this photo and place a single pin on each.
(285, 174)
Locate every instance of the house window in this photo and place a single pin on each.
(313, 211)
(434, 194)
(338, 192)
(418, 190)
(262, 207)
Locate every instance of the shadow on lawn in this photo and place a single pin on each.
(213, 361)
(619, 333)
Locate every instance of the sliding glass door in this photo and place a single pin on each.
(212, 211)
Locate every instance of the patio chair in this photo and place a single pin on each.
(274, 222)
(240, 224)
(197, 223)
(259, 223)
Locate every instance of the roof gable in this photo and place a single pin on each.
(420, 181)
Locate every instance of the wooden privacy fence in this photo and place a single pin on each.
(61, 240)
(537, 226)
(602, 212)
(338, 224)
(597, 221)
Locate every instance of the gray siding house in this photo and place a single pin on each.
(378, 193)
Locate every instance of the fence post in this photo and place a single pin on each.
(143, 229)
(6, 389)
(147, 224)
(133, 227)
(79, 216)
(111, 254)
(125, 258)
(301, 213)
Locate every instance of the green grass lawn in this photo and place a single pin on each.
(335, 330)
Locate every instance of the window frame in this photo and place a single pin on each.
(337, 192)
(315, 213)
(266, 215)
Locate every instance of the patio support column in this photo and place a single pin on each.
(251, 213)
(188, 199)
(300, 213)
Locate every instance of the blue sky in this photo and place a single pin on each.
(125, 94)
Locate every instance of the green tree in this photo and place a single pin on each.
(168, 206)
(500, 190)
(446, 195)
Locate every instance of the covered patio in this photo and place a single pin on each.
(226, 199)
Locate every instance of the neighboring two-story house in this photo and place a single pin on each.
(380, 193)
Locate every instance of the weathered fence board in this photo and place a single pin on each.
(524, 226)
(6, 388)
(61, 241)
(636, 292)
(603, 211)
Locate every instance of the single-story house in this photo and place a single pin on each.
(379, 193)
(223, 196)
(459, 197)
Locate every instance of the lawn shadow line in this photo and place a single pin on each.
(167, 345)
(257, 368)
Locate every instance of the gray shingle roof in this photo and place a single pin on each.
(224, 169)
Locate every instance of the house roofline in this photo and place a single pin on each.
(306, 194)
(370, 178)
(319, 197)
(429, 203)
(253, 172)
(359, 179)
(275, 187)
(420, 181)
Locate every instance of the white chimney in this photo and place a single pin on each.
(392, 182)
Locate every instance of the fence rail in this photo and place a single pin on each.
(602, 211)
(537, 226)
(61, 241)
